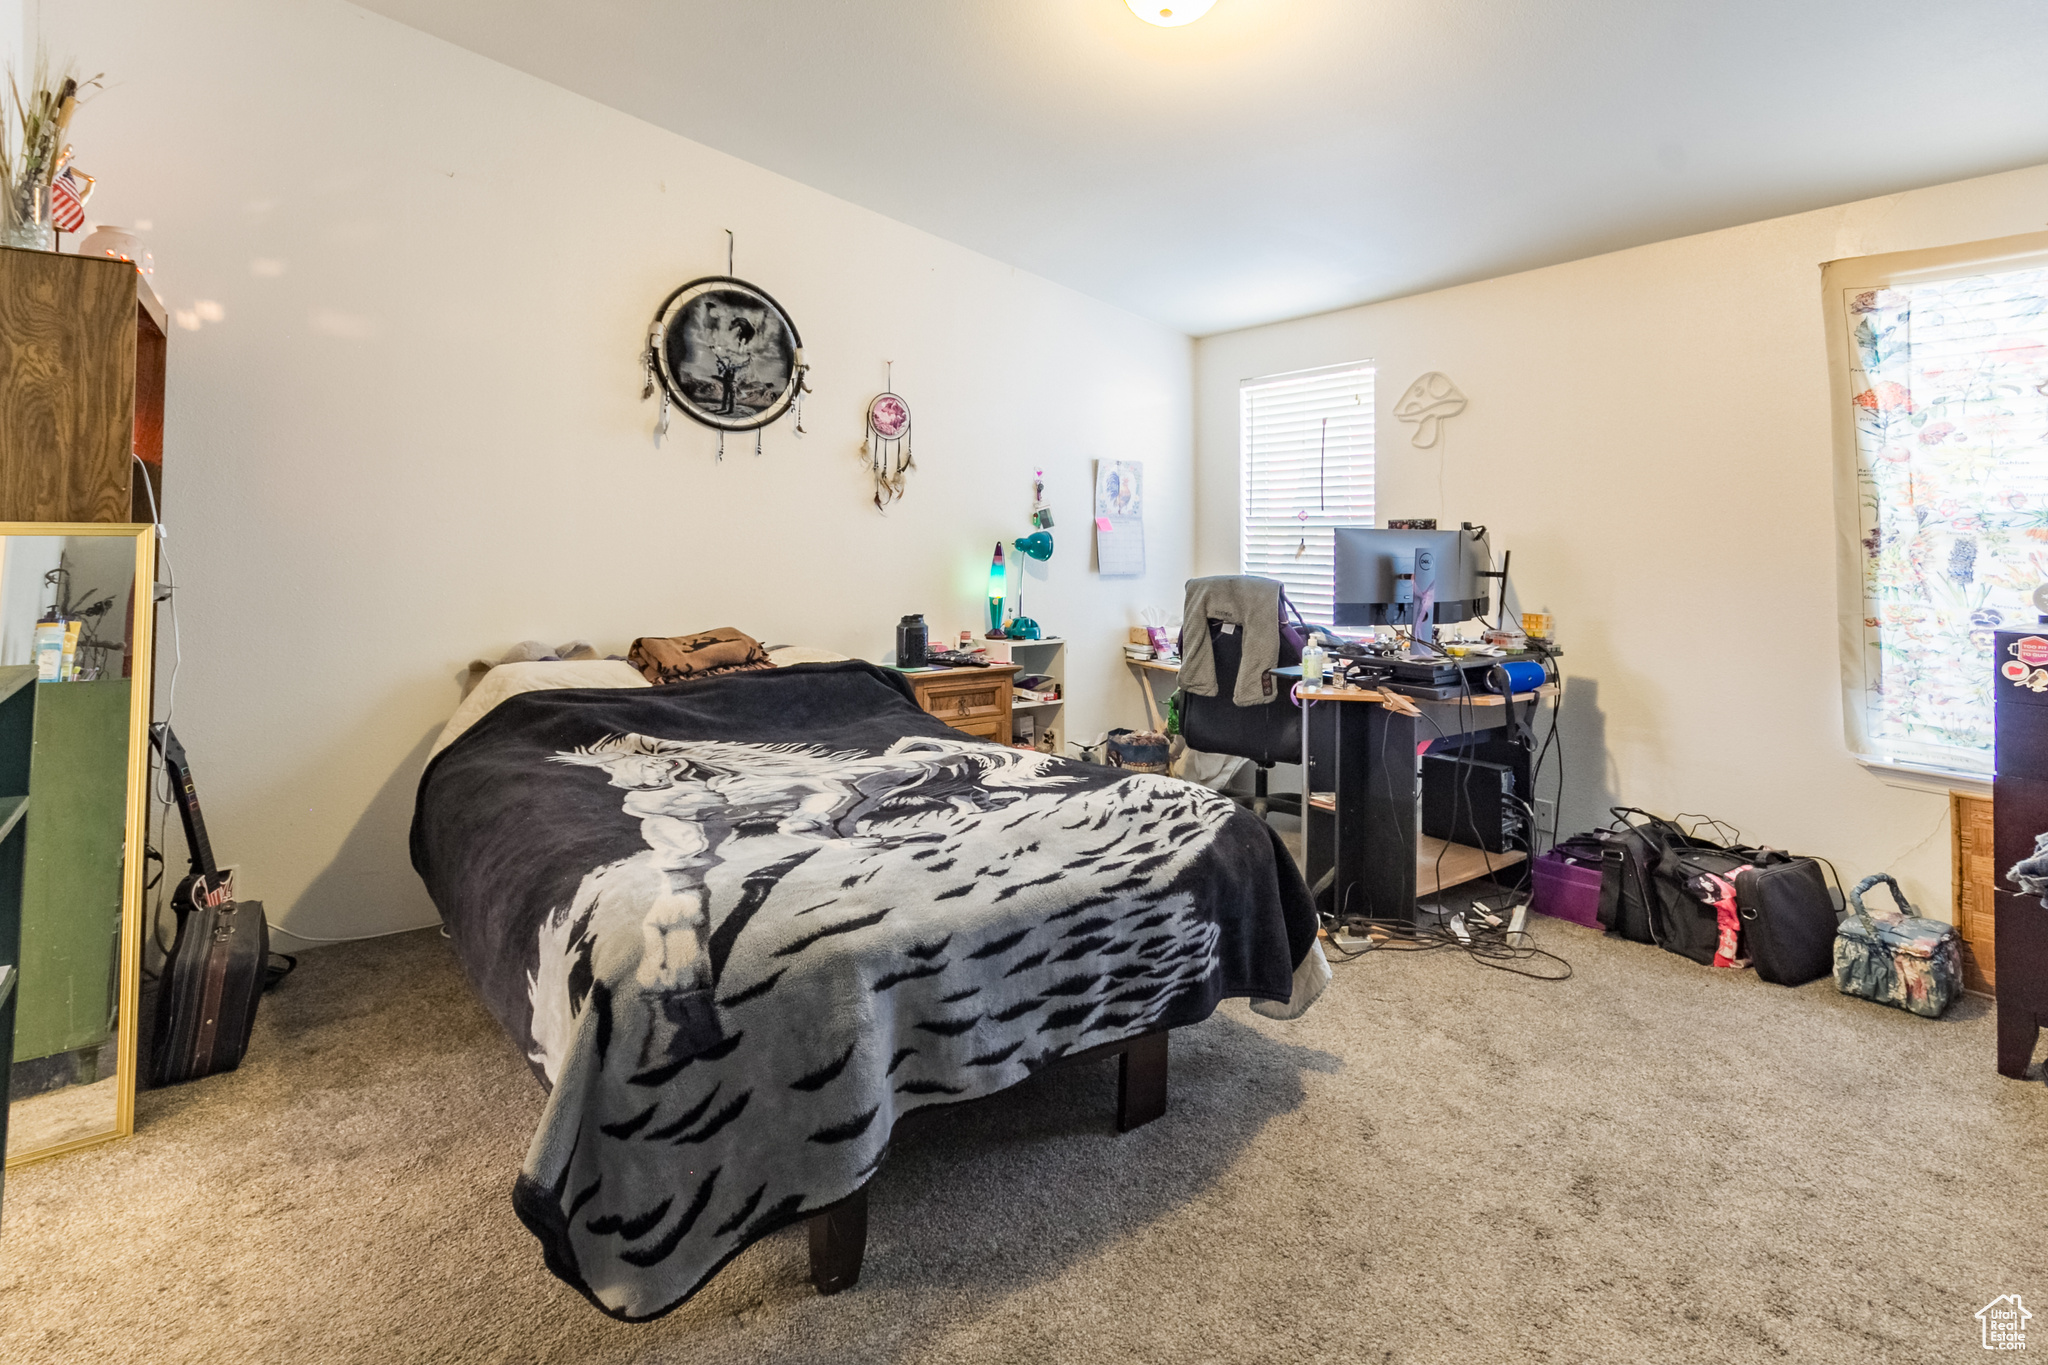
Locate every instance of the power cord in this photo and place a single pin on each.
(159, 778)
(1489, 946)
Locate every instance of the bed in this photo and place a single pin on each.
(741, 926)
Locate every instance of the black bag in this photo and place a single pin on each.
(1682, 899)
(1652, 890)
(1788, 921)
(1628, 856)
(1687, 901)
(1606, 849)
(219, 964)
(207, 996)
(1652, 904)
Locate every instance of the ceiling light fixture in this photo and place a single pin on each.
(1170, 13)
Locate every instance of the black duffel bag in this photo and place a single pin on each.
(1787, 915)
(1657, 902)
(1628, 855)
(1788, 920)
(1654, 889)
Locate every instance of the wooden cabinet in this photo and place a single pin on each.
(2019, 814)
(974, 701)
(1975, 888)
(82, 351)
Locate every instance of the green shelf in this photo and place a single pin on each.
(12, 808)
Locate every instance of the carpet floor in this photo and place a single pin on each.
(1441, 1162)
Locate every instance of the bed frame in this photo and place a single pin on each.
(839, 1234)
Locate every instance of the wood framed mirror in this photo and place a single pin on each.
(74, 769)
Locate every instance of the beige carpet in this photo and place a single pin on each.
(1652, 1161)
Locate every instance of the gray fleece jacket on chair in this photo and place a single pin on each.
(1250, 604)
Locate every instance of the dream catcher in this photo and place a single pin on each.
(886, 447)
(727, 354)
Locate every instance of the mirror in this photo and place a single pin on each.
(74, 714)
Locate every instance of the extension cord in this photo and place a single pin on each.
(1346, 938)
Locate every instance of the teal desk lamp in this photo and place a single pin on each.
(1038, 545)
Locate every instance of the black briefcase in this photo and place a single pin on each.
(220, 963)
(1788, 921)
(207, 996)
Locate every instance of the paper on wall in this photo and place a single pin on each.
(1119, 518)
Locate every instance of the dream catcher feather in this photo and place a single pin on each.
(886, 447)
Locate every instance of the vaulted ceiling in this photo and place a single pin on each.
(1284, 157)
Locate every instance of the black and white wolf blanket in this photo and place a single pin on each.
(741, 925)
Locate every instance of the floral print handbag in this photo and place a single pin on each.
(1903, 960)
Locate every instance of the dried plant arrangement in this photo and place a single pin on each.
(33, 151)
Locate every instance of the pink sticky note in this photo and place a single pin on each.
(1102, 523)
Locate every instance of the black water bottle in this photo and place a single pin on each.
(910, 642)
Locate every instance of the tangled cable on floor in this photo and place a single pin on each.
(1487, 944)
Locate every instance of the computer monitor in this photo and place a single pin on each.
(1378, 582)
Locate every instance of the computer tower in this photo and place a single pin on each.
(1470, 801)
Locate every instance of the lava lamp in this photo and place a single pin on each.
(998, 589)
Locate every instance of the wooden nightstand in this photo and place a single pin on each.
(974, 701)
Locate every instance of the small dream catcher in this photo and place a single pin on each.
(727, 354)
(886, 447)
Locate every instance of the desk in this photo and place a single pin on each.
(1146, 671)
(1364, 852)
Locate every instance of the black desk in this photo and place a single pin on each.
(1364, 852)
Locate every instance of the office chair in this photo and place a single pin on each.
(1265, 734)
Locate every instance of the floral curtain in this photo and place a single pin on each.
(1948, 384)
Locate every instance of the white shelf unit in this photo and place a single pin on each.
(1048, 717)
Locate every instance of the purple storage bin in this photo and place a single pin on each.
(1567, 890)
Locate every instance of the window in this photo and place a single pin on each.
(1941, 368)
(1305, 458)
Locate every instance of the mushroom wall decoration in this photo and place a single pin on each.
(1427, 403)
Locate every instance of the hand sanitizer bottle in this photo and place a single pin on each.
(1314, 662)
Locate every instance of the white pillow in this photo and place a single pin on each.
(782, 656)
(509, 680)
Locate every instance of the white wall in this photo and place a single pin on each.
(1649, 432)
(12, 32)
(414, 436)
(23, 594)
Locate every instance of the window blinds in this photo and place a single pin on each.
(1305, 456)
(1941, 371)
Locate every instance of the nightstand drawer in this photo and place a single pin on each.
(955, 701)
(995, 728)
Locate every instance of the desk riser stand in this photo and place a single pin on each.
(1362, 856)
